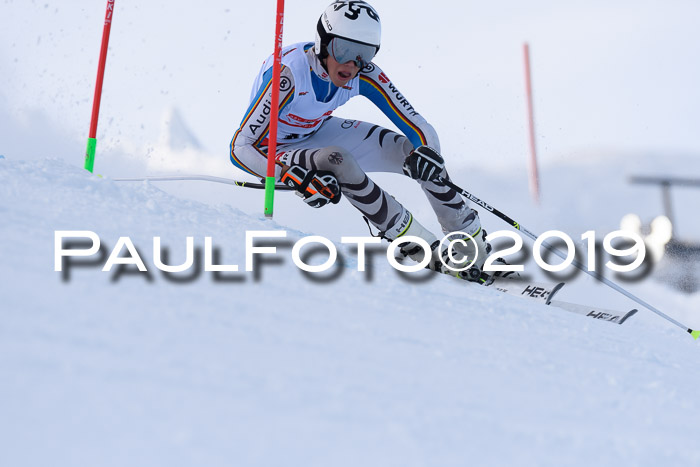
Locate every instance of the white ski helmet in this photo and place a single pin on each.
(355, 21)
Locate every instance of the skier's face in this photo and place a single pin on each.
(341, 73)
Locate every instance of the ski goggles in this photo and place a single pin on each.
(344, 50)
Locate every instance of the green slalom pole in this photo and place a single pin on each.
(274, 105)
(90, 154)
(269, 195)
(92, 138)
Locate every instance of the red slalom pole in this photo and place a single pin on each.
(534, 173)
(274, 105)
(92, 137)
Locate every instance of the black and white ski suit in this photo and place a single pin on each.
(310, 136)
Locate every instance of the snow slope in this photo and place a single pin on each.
(285, 370)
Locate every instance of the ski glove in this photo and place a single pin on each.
(423, 163)
(316, 187)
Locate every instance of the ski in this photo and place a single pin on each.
(544, 293)
(611, 316)
(537, 291)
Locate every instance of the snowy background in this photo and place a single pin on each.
(104, 369)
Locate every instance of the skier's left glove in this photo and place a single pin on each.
(423, 163)
(317, 187)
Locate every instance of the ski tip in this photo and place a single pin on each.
(629, 314)
(554, 291)
(695, 334)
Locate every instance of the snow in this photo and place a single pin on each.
(283, 369)
(343, 367)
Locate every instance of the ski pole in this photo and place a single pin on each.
(92, 136)
(580, 266)
(206, 178)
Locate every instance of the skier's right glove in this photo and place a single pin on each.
(316, 187)
(423, 163)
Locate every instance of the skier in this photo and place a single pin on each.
(322, 156)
